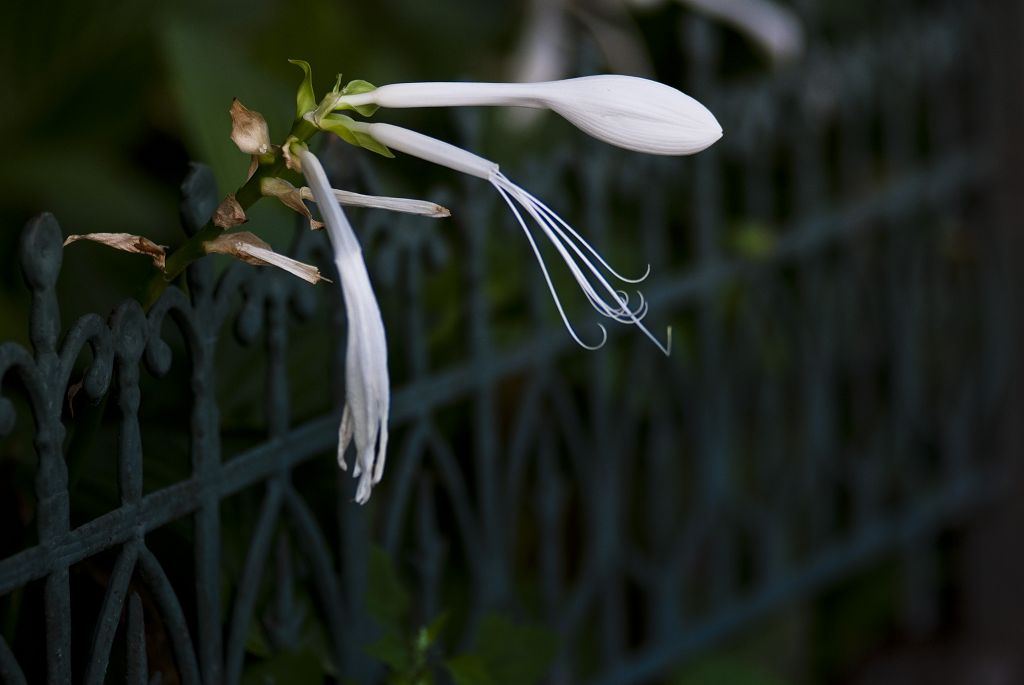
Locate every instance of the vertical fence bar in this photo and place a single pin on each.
(714, 454)
(205, 456)
(41, 256)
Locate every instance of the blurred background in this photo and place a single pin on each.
(821, 485)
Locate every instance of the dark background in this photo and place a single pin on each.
(105, 104)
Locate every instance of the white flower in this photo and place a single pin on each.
(367, 391)
(589, 269)
(627, 111)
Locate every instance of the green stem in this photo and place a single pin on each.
(195, 247)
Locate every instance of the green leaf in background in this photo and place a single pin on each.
(89, 188)
(305, 100)
(206, 69)
(386, 600)
(469, 669)
(392, 651)
(753, 240)
(286, 668)
(256, 643)
(428, 635)
(514, 653)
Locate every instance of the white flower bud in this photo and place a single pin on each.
(627, 111)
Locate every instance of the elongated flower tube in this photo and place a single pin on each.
(590, 270)
(627, 111)
(367, 391)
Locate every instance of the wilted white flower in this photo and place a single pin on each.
(589, 269)
(394, 204)
(367, 391)
(627, 111)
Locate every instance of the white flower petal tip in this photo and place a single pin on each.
(636, 114)
(367, 390)
(627, 111)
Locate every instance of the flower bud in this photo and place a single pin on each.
(627, 111)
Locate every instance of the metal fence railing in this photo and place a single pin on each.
(842, 349)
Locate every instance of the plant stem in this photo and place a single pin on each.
(195, 247)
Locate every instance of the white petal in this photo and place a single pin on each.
(367, 391)
(635, 113)
(394, 204)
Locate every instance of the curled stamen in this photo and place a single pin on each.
(575, 251)
(547, 276)
(573, 232)
(608, 301)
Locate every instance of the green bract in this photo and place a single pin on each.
(351, 132)
(355, 88)
(305, 100)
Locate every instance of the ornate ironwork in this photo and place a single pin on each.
(826, 405)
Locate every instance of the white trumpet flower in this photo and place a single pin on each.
(367, 391)
(627, 111)
(590, 270)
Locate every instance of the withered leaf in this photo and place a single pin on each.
(125, 242)
(229, 214)
(249, 130)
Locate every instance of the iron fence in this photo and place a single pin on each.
(843, 348)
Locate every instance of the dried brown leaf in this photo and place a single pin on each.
(229, 214)
(249, 130)
(125, 242)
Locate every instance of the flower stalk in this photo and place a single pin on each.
(195, 247)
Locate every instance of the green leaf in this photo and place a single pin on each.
(393, 651)
(433, 631)
(255, 643)
(754, 240)
(355, 88)
(341, 126)
(514, 653)
(347, 129)
(285, 668)
(469, 669)
(202, 95)
(305, 101)
(386, 600)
